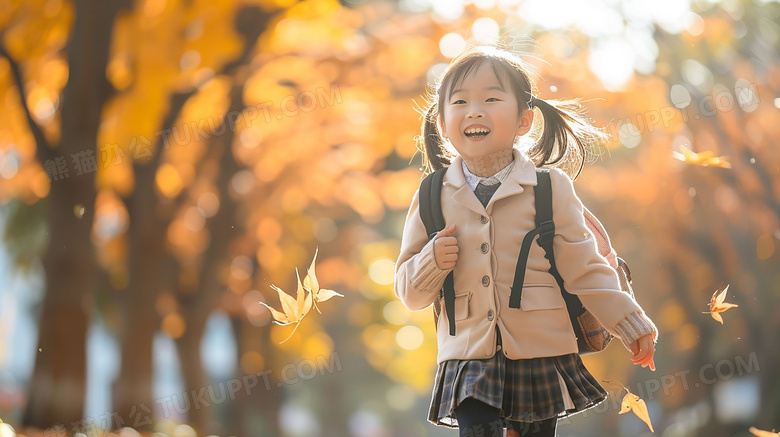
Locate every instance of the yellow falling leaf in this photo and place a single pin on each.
(311, 283)
(294, 309)
(717, 304)
(635, 404)
(632, 402)
(78, 211)
(704, 159)
(760, 433)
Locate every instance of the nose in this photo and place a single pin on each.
(475, 114)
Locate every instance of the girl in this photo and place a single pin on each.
(508, 367)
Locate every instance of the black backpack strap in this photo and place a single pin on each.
(544, 219)
(545, 228)
(425, 205)
(433, 219)
(544, 214)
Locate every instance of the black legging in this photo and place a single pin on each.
(476, 418)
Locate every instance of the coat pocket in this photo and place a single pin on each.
(541, 297)
(462, 306)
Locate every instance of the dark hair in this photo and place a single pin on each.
(566, 133)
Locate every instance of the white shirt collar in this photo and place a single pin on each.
(499, 177)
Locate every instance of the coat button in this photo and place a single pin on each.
(486, 280)
(490, 315)
(484, 247)
(483, 219)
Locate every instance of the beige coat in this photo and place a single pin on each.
(489, 241)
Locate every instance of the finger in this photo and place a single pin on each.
(648, 362)
(449, 258)
(441, 243)
(648, 345)
(446, 232)
(634, 347)
(448, 241)
(451, 249)
(649, 359)
(640, 355)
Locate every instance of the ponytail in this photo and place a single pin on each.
(566, 135)
(436, 156)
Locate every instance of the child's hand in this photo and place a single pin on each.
(445, 248)
(644, 349)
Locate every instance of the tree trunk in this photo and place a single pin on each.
(224, 227)
(58, 383)
(57, 390)
(259, 401)
(132, 391)
(198, 416)
(335, 411)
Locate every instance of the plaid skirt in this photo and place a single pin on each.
(525, 390)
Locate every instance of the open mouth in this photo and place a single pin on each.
(477, 132)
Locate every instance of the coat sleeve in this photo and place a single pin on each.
(417, 277)
(588, 274)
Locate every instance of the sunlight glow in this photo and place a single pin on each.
(298, 420)
(629, 135)
(395, 312)
(484, 4)
(698, 75)
(612, 60)
(591, 16)
(485, 30)
(382, 271)
(409, 337)
(451, 45)
(9, 162)
(694, 24)
(448, 9)
(679, 96)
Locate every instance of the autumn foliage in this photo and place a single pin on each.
(163, 162)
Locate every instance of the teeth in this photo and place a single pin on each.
(477, 130)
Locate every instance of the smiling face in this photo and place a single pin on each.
(481, 117)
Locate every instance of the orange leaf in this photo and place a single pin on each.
(717, 304)
(704, 159)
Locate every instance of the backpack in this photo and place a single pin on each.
(591, 335)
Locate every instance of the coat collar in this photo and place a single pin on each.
(523, 173)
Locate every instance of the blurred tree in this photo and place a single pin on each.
(730, 68)
(151, 261)
(232, 138)
(58, 382)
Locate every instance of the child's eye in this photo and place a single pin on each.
(493, 98)
(458, 102)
